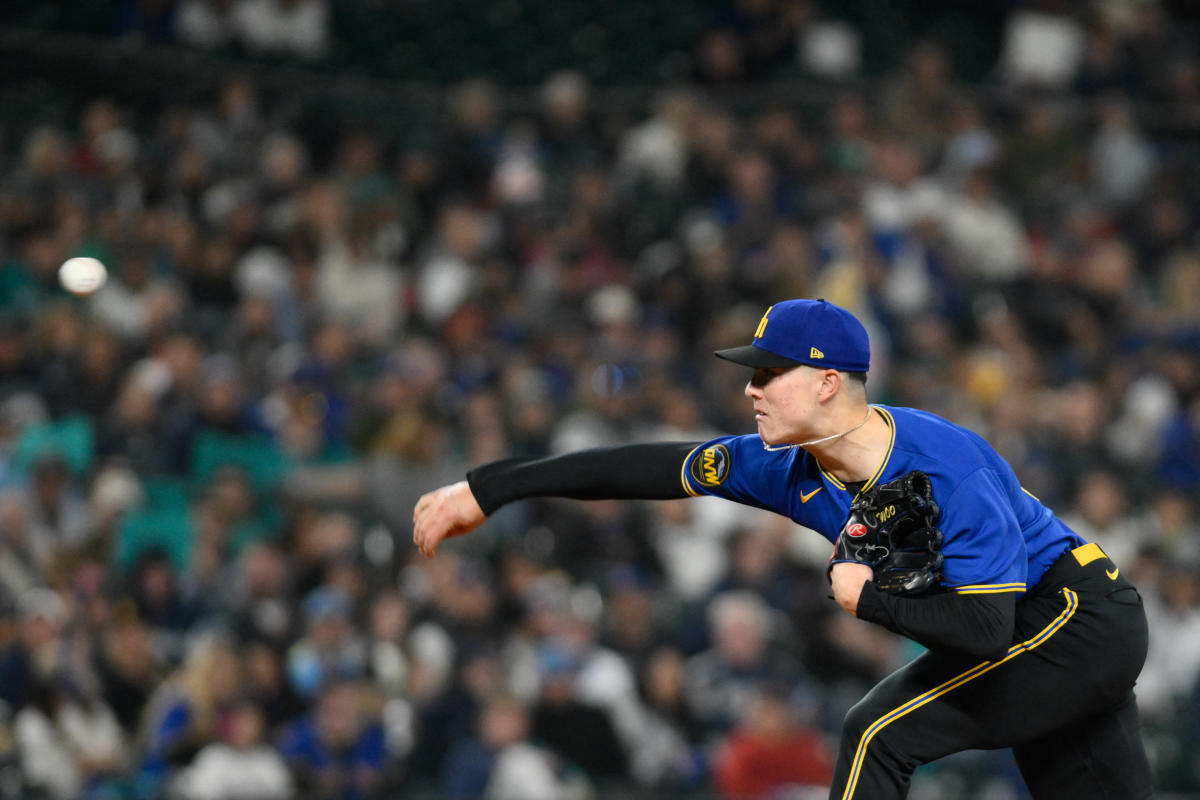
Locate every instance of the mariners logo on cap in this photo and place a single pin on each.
(762, 324)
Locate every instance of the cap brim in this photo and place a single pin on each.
(751, 356)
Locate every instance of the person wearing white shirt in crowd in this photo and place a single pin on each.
(239, 766)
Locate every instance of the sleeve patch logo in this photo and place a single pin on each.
(710, 467)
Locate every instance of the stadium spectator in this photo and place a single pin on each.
(577, 731)
(769, 753)
(338, 749)
(239, 765)
(501, 763)
(293, 27)
(324, 299)
(745, 655)
(183, 715)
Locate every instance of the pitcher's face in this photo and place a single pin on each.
(784, 400)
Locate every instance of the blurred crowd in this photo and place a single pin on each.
(208, 467)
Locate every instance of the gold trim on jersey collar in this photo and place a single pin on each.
(891, 423)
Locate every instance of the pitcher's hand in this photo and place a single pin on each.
(440, 514)
(848, 581)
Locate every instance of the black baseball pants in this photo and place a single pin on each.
(1062, 698)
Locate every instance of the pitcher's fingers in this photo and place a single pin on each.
(429, 546)
(426, 539)
(419, 535)
(423, 540)
(424, 502)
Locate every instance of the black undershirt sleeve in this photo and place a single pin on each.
(625, 472)
(976, 625)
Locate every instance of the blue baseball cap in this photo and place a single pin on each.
(812, 332)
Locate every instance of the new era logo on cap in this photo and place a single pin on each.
(813, 332)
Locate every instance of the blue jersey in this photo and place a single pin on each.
(998, 537)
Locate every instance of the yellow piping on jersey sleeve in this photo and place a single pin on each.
(988, 588)
(683, 478)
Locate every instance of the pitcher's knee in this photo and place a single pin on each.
(862, 716)
(868, 725)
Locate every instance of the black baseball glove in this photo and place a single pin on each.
(891, 529)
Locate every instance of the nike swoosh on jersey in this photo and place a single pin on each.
(1112, 573)
(804, 498)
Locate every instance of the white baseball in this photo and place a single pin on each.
(82, 275)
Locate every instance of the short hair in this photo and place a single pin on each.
(858, 377)
(740, 607)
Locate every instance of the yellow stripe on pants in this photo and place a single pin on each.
(950, 685)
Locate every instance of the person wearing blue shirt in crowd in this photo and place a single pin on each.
(336, 751)
(1034, 636)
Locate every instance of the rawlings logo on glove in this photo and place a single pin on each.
(891, 529)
